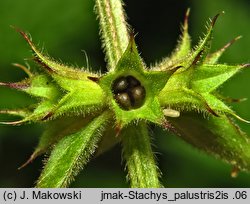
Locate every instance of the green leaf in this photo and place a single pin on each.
(219, 107)
(182, 99)
(69, 84)
(59, 128)
(42, 86)
(216, 104)
(130, 61)
(79, 102)
(55, 130)
(41, 110)
(218, 136)
(202, 49)
(52, 67)
(140, 161)
(36, 115)
(71, 153)
(207, 77)
(182, 78)
(214, 57)
(184, 45)
(181, 51)
(38, 86)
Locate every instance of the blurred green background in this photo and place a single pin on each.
(66, 28)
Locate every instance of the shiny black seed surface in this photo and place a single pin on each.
(123, 100)
(138, 95)
(128, 92)
(121, 84)
(132, 81)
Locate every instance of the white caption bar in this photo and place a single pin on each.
(124, 195)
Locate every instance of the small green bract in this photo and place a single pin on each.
(87, 113)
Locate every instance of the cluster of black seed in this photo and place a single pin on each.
(128, 92)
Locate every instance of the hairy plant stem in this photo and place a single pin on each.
(140, 161)
(113, 29)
